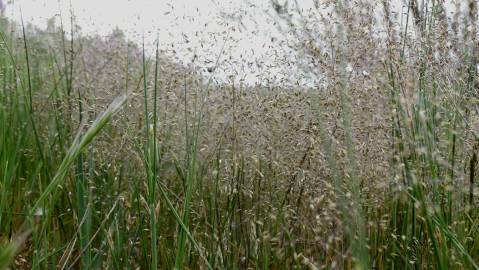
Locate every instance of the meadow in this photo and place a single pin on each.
(113, 156)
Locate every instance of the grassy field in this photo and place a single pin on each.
(116, 158)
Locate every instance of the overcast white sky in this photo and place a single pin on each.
(192, 26)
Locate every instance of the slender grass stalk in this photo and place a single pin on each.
(83, 201)
(153, 167)
(150, 157)
(30, 96)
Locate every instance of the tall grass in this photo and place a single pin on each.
(375, 167)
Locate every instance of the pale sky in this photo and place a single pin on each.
(194, 27)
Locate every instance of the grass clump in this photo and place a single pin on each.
(373, 164)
